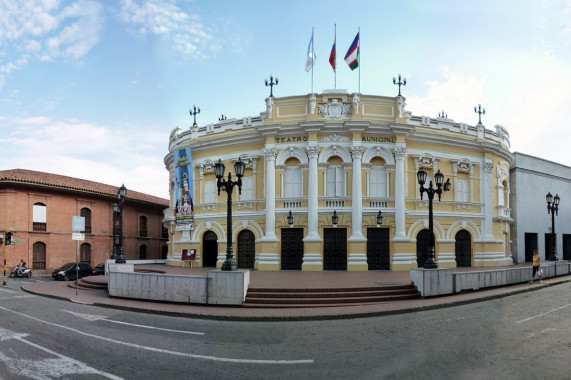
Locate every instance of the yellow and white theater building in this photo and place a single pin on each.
(345, 154)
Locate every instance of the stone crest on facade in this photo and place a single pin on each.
(334, 138)
(334, 110)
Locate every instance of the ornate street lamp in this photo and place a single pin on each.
(430, 262)
(227, 186)
(553, 208)
(480, 111)
(399, 83)
(271, 83)
(194, 113)
(379, 219)
(335, 218)
(115, 212)
(121, 195)
(290, 219)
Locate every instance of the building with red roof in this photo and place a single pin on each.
(38, 208)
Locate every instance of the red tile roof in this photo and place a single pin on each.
(62, 182)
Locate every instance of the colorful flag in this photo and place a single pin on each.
(311, 57)
(333, 55)
(352, 56)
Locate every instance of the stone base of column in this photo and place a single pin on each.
(312, 256)
(268, 261)
(357, 262)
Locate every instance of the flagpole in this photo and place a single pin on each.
(335, 58)
(312, 57)
(359, 33)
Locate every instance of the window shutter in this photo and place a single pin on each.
(210, 192)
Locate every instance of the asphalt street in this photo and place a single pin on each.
(523, 336)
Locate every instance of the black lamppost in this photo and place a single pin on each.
(553, 208)
(121, 195)
(290, 219)
(194, 113)
(379, 219)
(115, 212)
(227, 186)
(430, 262)
(399, 83)
(480, 111)
(271, 83)
(334, 218)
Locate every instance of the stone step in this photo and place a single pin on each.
(319, 297)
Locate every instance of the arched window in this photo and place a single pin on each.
(40, 217)
(292, 179)
(143, 226)
(86, 213)
(39, 255)
(85, 253)
(377, 179)
(143, 252)
(335, 186)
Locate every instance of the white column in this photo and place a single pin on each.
(357, 196)
(486, 190)
(400, 153)
(270, 155)
(312, 234)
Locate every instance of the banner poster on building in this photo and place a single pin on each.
(183, 190)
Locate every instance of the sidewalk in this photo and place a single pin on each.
(286, 279)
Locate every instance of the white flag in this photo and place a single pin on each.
(311, 57)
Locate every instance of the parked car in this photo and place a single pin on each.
(99, 269)
(68, 271)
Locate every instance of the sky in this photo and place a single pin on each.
(92, 88)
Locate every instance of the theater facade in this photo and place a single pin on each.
(339, 157)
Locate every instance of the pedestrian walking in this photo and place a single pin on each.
(536, 267)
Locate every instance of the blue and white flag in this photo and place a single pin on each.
(311, 57)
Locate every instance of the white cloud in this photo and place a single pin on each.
(107, 154)
(184, 32)
(45, 32)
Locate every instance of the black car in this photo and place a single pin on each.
(70, 271)
(99, 270)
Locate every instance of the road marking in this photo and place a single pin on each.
(6, 290)
(47, 368)
(91, 317)
(160, 350)
(542, 314)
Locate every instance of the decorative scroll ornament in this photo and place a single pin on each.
(334, 110)
(334, 138)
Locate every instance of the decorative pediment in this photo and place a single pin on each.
(334, 110)
(335, 138)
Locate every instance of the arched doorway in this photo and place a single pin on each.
(39, 255)
(422, 246)
(246, 249)
(463, 248)
(209, 249)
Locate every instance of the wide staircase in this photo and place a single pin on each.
(296, 298)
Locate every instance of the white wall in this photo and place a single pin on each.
(531, 178)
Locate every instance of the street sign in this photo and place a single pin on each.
(78, 223)
(77, 236)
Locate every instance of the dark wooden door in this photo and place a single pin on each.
(549, 241)
(530, 245)
(209, 249)
(378, 256)
(246, 249)
(292, 248)
(422, 245)
(463, 248)
(566, 247)
(335, 249)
